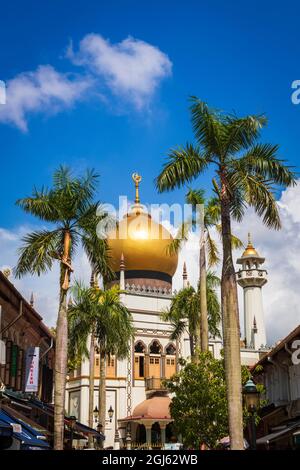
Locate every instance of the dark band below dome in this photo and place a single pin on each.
(143, 274)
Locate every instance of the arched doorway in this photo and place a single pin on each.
(139, 360)
(155, 359)
(155, 434)
(170, 364)
(140, 434)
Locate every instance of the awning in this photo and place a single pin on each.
(79, 427)
(24, 434)
(5, 429)
(41, 432)
(278, 434)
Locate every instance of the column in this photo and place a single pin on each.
(148, 434)
(163, 433)
(163, 366)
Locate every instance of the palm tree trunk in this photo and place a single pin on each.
(192, 348)
(203, 294)
(61, 350)
(91, 388)
(102, 390)
(231, 330)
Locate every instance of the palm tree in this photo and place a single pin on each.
(100, 315)
(183, 313)
(82, 316)
(69, 209)
(206, 214)
(247, 173)
(113, 333)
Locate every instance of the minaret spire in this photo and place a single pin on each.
(31, 300)
(252, 277)
(184, 276)
(137, 179)
(122, 272)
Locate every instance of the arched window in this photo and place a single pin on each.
(139, 360)
(171, 350)
(111, 367)
(170, 365)
(139, 347)
(155, 347)
(155, 359)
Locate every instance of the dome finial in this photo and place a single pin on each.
(249, 239)
(137, 179)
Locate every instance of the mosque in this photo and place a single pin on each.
(137, 402)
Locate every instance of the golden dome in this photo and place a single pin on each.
(143, 243)
(250, 250)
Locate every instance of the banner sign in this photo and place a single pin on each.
(14, 360)
(32, 369)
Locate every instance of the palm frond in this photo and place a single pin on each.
(36, 254)
(41, 205)
(261, 159)
(212, 249)
(182, 166)
(241, 132)
(207, 126)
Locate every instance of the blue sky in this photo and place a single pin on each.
(240, 56)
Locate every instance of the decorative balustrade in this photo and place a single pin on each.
(153, 384)
(148, 290)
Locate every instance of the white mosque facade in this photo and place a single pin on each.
(134, 387)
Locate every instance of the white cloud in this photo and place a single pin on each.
(44, 90)
(131, 69)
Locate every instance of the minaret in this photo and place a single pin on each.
(251, 277)
(122, 273)
(184, 277)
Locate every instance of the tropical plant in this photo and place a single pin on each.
(205, 214)
(183, 313)
(82, 316)
(247, 173)
(114, 331)
(199, 404)
(100, 315)
(70, 210)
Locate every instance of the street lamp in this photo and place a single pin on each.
(251, 397)
(72, 422)
(110, 413)
(96, 414)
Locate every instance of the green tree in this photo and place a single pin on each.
(71, 212)
(183, 313)
(99, 314)
(114, 331)
(82, 317)
(246, 174)
(199, 405)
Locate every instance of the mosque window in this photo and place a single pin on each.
(170, 364)
(155, 350)
(111, 367)
(139, 360)
(155, 347)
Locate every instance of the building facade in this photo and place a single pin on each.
(134, 387)
(22, 328)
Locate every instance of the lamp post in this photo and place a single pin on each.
(72, 422)
(96, 414)
(251, 397)
(110, 413)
